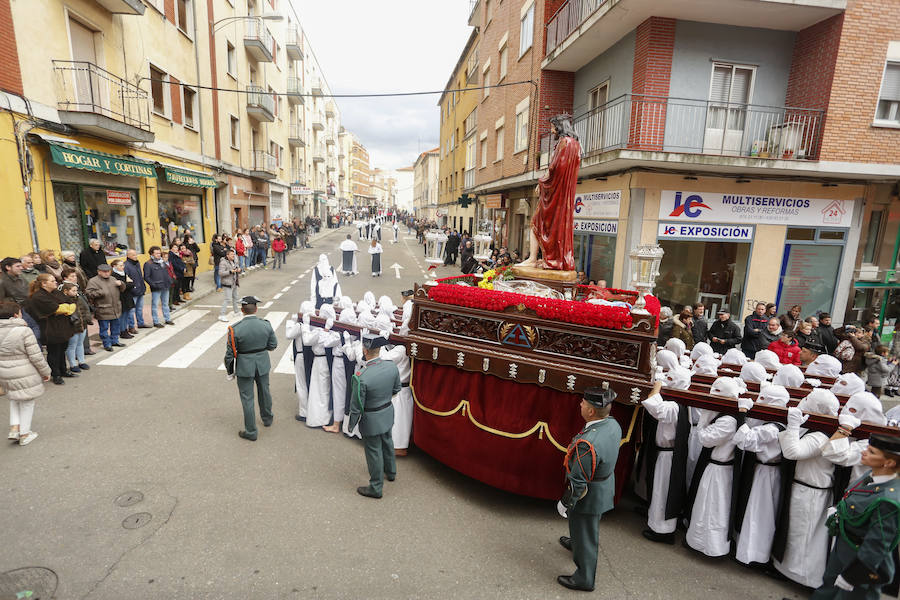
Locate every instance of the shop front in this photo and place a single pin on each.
(596, 228)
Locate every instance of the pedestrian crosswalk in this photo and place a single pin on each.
(195, 342)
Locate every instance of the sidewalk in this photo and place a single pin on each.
(204, 287)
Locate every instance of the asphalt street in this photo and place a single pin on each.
(139, 487)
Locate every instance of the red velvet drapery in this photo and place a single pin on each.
(531, 465)
(552, 223)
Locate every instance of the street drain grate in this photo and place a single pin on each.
(137, 520)
(40, 582)
(128, 499)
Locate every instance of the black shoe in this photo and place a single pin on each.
(567, 582)
(119, 345)
(566, 542)
(58, 380)
(159, 325)
(269, 424)
(246, 436)
(299, 418)
(367, 492)
(108, 348)
(145, 326)
(84, 366)
(661, 538)
(170, 322)
(90, 352)
(125, 336)
(70, 374)
(390, 477)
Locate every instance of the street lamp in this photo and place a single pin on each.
(270, 17)
(645, 261)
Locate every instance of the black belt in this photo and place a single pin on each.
(252, 351)
(403, 385)
(721, 463)
(379, 407)
(774, 463)
(223, 285)
(812, 486)
(661, 449)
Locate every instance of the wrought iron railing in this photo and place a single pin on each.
(568, 18)
(294, 37)
(260, 98)
(84, 87)
(298, 176)
(263, 161)
(665, 124)
(256, 30)
(294, 85)
(297, 132)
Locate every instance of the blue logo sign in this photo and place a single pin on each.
(690, 207)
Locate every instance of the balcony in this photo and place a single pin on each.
(318, 122)
(474, 13)
(331, 164)
(296, 135)
(95, 101)
(294, 43)
(295, 90)
(123, 7)
(298, 176)
(260, 104)
(650, 129)
(263, 165)
(330, 111)
(329, 139)
(581, 30)
(258, 41)
(319, 153)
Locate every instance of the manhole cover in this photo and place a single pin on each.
(39, 581)
(129, 499)
(137, 520)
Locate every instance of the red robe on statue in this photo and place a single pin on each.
(552, 222)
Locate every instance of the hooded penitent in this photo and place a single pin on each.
(707, 364)
(788, 376)
(820, 401)
(666, 359)
(700, 349)
(824, 366)
(675, 346)
(677, 378)
(865, 407)
(735, 357)
(848, 384)
(753, 372)
(768, 359)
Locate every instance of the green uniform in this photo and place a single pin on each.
(373, 386)
(592, 487)
(247, 348)
(866, 526)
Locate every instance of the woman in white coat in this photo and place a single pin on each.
(319, 408)
(23, 370)
(293, 330)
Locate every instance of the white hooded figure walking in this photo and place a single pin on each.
(319, 408)
(845, 450)
(375, 250)
(293, 330)
(349, 250)
(396, 227)
(403, 400)
(323, 284)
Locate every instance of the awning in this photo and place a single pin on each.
(101, 162)
(183, 176)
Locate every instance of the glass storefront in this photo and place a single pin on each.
(110, 215)
(809, 269)
(596, 256)
(711, 272)
(180, 214)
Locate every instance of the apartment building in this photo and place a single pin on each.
(405, 184)
(426, 184)
(360, 175)
(138, 121)
(459, 113)
(756, 142)
(344, 149)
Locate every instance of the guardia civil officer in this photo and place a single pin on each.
(866, 526)
(372, 387)
(247, 348)
(590, 462)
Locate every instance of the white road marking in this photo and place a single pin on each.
(145, 344)
(192, 350)
(285, 289)
(286, 364)
(266, 305)
(277, 296)
(294, 281)
(207, 306)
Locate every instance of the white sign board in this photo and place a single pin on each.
(721, 233)
(598, 205)
(300, 190)
(595, 226)
(714, 207)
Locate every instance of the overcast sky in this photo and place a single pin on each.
(387, 46)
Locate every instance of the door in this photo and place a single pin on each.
(729, 93)
(86, 80)
(594, 138)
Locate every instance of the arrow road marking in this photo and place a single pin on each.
(396, 267)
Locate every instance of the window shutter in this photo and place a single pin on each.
(721, 84)
(890, 87)
(740, 87)
(175, 88)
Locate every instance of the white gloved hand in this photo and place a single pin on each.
(848, 421)
(831, 510)
(744, 404)
(843, 584)
(306, 319)
(328, 324)
(562, 510)
(795, 417)
(813, 381)
(362, 333)
(347, 337)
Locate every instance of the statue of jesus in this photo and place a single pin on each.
(552, 226)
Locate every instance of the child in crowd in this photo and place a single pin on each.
(278, 248)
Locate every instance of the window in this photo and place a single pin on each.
(484, 150)
(526, 30)
(889, 98)
(489, 11)
(189, 101)
(470, 123)
(180, 214)
(158, 89)
(504, 55)
(232, 59)
(500, 143)
(522, 125)
(183, 13)
(111, 216)
(487, 80)
(235, 133)
(870, 249)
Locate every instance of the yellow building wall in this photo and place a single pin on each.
(15, 234)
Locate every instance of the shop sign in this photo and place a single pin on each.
(100, 162)
(720, 233)
(182, 177)
(300, 190)
(598, 205)
(118, 197)
(595, 226)
(492, 200)
(712, 207)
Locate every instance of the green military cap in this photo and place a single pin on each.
(885, 443)
(250, 300)
(600, 396)
(371, 341)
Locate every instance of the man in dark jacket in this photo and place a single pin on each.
(826, 333)
(133, 270)
(156, 274)
(754, 326)
(91, 257)
(724, 334)
(699, 327)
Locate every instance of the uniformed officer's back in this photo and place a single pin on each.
(253, 338)
(379, 380)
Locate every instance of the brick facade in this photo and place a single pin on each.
(10, 73)
(653, 49)
(557, 96)
(868, 26)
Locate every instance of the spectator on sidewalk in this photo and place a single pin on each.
(178, 268)
(51, 310)
(156, 275)
(262, 246)
(724, 334)
(879, 366)
(699, 328)
(81, 318)
(754, 326)
(136, 314)
(217, 249)
(229, 274)
(91, 257)
(826, 333)
(105, 293)
(22, 371)
(126, 297)
(29, 273)
(278, 248)
(50, 265)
